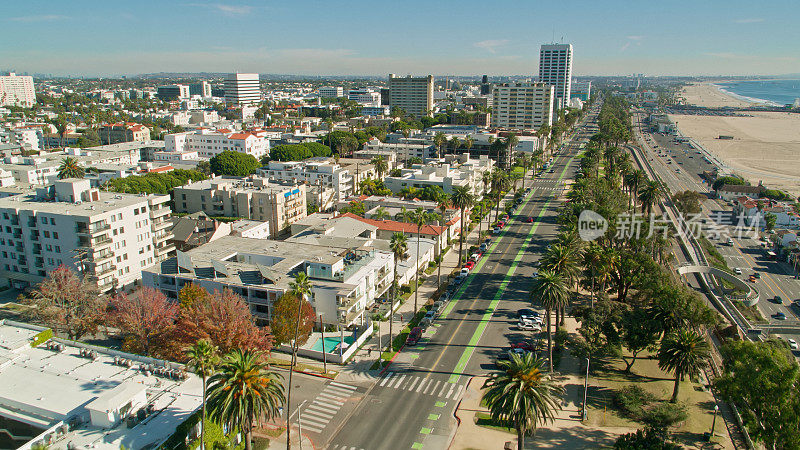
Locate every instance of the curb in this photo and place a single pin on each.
(392, 360)
(452, 436)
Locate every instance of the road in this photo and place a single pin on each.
(411, 405)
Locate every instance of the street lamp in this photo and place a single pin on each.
(585, 389)
(714, 422)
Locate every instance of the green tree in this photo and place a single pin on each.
(683, 352)
(550, 291)
(69, 168)
(244, 392)
(234, 164)
(769, 221)
(443, 202)
(639, 332)
(204, 167)
(439, 140)
(398, 244)
(649, 195)
(420, 218)
(203, 359)
(462, 199)
(381, 166)
(521, 396)
(687, 202)
(381, 214)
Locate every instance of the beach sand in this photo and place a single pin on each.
(709, 96)
(765, 147)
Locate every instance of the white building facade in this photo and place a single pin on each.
(522, 105)
(242, 89)
(17, 90)
(555, 69)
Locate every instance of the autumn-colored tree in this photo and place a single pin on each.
(285, 316)
(146, 319)
(225, 320)
(191, 294)
(66, 303)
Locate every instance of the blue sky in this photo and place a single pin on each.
(462, 37)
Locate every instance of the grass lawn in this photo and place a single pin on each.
(646, 374)
(483, 419)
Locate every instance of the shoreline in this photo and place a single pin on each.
(751, 100)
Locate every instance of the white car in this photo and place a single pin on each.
(738, 271)
(497, 230)
(526, 325)
(792, 344)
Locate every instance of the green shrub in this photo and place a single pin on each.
(664, 415)
(631, 400)
(42, 337)
(560, 338)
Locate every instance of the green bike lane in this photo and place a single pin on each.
(443, 358)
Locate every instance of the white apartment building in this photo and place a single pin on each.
(331, 92)
(365, 96)
(249, 198)
(209, 142)
(442, 175)
(555, 69)
(242, 89)
(109, 236)
(522, 105)
(403, 151)
(17, 90)
(314, 173)
(413, 94)
(345, 281)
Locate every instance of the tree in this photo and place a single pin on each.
(647, 439)
(381, 166)
(521, 396)
(439, 140)
(345, 143)
(203, 360)
(443, 202)
(649, 196)
(244, 392)
(455, 143)
(355, 207)
(550, 291)
(204, 167)
(398, 244)
(563, 258)
(462, 199)
(769, 221)
(234, 164)
(69, 168)
(66, 303)
(761, 379)
(639, 332)
(731, 180)
(381, 214)
(146, 319)
(687, 202)
(190, 294)
(683, 352)
(285, 318)
(420, 218)
(224, 319)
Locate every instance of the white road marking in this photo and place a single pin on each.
(385, 379)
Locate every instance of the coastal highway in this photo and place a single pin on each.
(411, 404)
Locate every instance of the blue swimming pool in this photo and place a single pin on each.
(331, 343)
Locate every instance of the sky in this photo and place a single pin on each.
(377, 37)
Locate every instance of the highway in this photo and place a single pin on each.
(411, 404)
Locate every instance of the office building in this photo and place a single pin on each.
(110, 237)
(555, 69)
(486, 88)
(242, 89)
(522, 105)
(365, 96)
(203, 89)
(114, 133)
(17, 90)
(331, 92)
(255, 198)
(173, 92)
(413, 94)
(345, 279)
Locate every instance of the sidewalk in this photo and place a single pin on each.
(279, 443)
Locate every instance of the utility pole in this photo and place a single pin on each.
(586, 389)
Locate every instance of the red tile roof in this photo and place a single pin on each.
(392, 225)
(241, 136)
(161, 169)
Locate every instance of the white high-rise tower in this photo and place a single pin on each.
(555, 68)
(242, 89)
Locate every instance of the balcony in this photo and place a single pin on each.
(95, 228)
(94, 243)
(160, 212)
(161, 225)
(164, 250)
(348, 317)
(99, 257)
(19, 248)
(99, 272)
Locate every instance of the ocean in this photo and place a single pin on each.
(775, 92)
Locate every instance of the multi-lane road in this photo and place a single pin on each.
(411, 404)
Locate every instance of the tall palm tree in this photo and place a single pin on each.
(634, 179)
(684, 352)
(549, 290)
(381, 166)
(521, 396)
(526, 163)
(399, 247)
(69, 168)
(455, 143)
(381, 214)
(420, 218)
(469, 141)
(439, 140)
(562, 258)
(508, 146)
(202, 359)
(499, 182)
(462, 199)
(301, 286)
(649, 196)
(443, 200)
(244, 392)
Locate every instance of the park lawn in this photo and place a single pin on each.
(646, 374)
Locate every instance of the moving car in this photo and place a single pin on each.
(738, 271)
(792, 344)
(414, 336)
(780, 316)
(529, 219)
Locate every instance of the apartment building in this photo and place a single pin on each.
(403, 151)
(365, 96)
(412, 94)
(114, 133)
(345, 281)
(442, 175)
(208, 143)
(331, 92)
(314, 173)
(581, 90)
(522, 105)
(17, 90)
(280, 204)
(555, 69)
(242, 89)
(110, 237)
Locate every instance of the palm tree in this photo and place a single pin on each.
(499, 182)
(244, 392)
(564, 258)
(526, 163)
(444, 202)
(439, 139)
(301, 286)
(649, 196)
(462, 199)
(468, 142)
(634, 179)
(381, 214)
(399, 247)
(521, 396)
(550, 290)
(508, 146)
(69, 168)
(202, 359)
(420, 218)
(684, 352)
(381, 166)
(455, 143)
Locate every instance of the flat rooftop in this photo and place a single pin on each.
(108, 202)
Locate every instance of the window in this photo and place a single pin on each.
(44, 220)
(55, 234)
(52, 221)
(47, 234)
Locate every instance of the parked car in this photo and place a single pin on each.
(792, 344)
(497, 230)
(738, 271)
(526, 325)
(780, 316)
(505, 217)
(464, 273)
(483, 246)
(778, 299)
(529, 219)
(526, 313)
(469, 265)
(414, 336)
(524, 345)
(487, 241)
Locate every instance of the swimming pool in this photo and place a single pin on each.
(331, 343)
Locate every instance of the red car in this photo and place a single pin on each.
(414, 336)
(501, 224)
(469, 265)
(527, 346)
(505, 216)
(530, 219)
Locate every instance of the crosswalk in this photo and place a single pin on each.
(343, 447)
(421, 385)
(316, 416)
